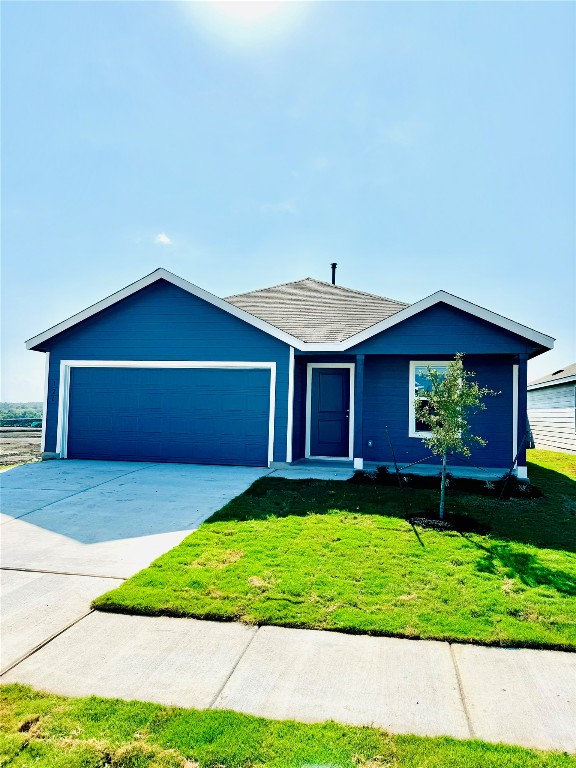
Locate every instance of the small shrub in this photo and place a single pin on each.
(363, 477)
(513, 487)
(383, 476)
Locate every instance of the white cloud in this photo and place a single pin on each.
(162, 239)
(285, 206)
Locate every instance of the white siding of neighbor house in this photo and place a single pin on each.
(551, 413)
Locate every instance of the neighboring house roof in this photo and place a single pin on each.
(369, 304)
(563, 376)
(315, 311)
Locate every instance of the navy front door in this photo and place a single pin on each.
(330, 412)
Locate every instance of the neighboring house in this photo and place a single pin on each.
(165, 371)
(552, 410)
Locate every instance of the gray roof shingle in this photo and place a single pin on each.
(563, 373)
(315, 311)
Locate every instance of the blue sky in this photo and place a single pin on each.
(422, 146)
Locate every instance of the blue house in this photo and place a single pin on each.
(165, 371)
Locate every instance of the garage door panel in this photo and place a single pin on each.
(181, 414)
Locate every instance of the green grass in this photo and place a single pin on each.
(49, 731)
(339, 556)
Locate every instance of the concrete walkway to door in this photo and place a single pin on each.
(77, 528)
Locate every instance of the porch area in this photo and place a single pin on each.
(357, 412)
(319, 469)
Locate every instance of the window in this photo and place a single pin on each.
(420, 384)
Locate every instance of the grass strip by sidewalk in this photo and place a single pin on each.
(338, 556)
(49, 731)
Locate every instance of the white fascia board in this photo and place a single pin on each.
(341, 346)
(458, 303)
(163, 274)
(564, 380)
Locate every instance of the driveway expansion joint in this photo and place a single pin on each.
(62, 573)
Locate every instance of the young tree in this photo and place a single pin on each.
(445, 407)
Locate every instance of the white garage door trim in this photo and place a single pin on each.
(67, 365)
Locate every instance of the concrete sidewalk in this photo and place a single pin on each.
(428, 688)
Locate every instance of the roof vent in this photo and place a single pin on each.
(334, 265)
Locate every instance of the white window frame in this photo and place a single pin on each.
(412, 431)
(67, 365)
(309, 368)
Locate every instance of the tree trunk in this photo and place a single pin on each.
(443, 486)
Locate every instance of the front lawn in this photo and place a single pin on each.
(48, 731)
(339, 556)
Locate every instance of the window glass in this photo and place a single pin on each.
(422, 386)
(421, 379)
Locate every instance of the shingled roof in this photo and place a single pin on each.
(563, 376)
(315, 311)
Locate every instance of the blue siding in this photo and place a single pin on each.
(444, 330)
(439, 333)
(386, 405)
(358, 407)
(299, 421)
(164, 322)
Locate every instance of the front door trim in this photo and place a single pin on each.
(310, 367)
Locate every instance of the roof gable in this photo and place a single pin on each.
(444, 329)
(347, 317)
(458, 303)
(153, 277)
(166, 319)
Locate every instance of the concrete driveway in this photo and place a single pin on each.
(71, 530)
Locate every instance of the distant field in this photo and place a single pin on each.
(19, 445)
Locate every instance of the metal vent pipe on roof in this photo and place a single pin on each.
(334, 265)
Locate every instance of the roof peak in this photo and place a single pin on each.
(269, 287)
(322, 283)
